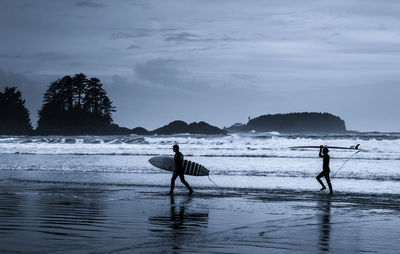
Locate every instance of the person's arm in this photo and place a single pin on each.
(320, 151)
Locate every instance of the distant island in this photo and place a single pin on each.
(78, 105)
(179, 127)
(292, 122)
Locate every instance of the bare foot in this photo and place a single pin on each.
(323, 188)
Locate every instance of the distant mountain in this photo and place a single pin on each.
(177, 127)
(140, 131)
(292, 122)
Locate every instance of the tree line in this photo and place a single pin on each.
(71, 105)
(78, 105)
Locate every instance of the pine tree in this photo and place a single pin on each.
(75, 105)
(14, 116)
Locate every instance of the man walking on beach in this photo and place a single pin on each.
(178, 157)
(323, 153)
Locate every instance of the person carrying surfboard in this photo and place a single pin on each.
(323, 153)
(178, 158)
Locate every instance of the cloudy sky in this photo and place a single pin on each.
(220, 61)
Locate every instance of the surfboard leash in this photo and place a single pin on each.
(344, 163)
(214, 183)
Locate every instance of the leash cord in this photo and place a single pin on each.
(344, 163)
(214, 182)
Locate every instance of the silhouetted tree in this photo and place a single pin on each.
(14, 116)
(75, 105)
(79, 88)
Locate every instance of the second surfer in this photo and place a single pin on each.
(323, 153)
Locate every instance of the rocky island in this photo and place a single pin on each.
(77, 105)
(292, 122)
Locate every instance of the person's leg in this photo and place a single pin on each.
(328, 180)
(182, 177)
(173, 178)
(319, 180)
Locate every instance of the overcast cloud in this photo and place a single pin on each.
(214, 60)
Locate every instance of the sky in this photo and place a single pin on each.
(219, 61)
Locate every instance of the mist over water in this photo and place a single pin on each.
(250, 160)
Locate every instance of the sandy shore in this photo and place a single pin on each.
(77, 218)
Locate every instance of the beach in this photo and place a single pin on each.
(95, 218)
(92, 194)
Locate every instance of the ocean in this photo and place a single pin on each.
(248, 160)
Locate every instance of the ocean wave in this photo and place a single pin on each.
(73, 140)
(231, 146)
(189, 155)
(167, 139)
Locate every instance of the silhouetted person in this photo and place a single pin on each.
(178, 157)
(323, 153)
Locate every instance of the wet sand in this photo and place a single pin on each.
(94, 218)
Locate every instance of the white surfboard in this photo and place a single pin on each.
(356, 147)
(189, 167)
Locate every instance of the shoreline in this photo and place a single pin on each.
(64, 218)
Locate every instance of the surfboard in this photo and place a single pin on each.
(330, 147)
(189, 167)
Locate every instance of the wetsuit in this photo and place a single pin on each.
(325, 171)
(178, 158)
(325, 163)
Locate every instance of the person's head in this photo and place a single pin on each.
(175, 148)
(325, 150)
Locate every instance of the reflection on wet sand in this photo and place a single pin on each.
(182, 225)
(51, 218)
(62, 213)
(10, 210)
(324, 205)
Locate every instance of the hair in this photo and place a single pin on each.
(325, 150)
(175, 147)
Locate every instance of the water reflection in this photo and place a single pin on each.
(184, 224)
(10, 211)
(10, 205)
(72, 212)
(324, 205)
